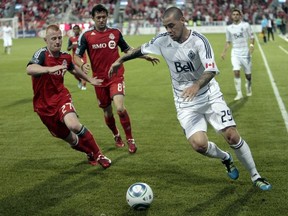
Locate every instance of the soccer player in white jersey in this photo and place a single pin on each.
(197, 95)
(238, 34)
(7, 38)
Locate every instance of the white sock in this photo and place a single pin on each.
(237, 83)
(244, 155)
(248, 83)
(214, 151)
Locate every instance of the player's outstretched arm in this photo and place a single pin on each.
(132, 54)
(152, 59)
(36, 69)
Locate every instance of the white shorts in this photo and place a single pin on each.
(241, 61)
(7, 42)
(194, 119)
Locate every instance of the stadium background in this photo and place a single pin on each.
(136, 17)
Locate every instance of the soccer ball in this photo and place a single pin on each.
(139, 196)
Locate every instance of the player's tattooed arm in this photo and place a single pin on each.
(189, 93)
(205, 79)
(132, 54)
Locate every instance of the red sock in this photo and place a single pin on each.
(87, 140)
(110, 122)
(80, 147)
(126, 124)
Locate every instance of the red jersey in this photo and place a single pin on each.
(102, 49)
(74, 41)
(49, 91)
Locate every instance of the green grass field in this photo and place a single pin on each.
(41, 175)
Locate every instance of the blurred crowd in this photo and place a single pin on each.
(38, 13)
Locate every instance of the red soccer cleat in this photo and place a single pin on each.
(131, 146)
(104, 161)
(118, 141)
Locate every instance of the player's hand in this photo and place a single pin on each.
(85, 67)
(189, 93)
(96, 82)
(114, 68)
(152, 59)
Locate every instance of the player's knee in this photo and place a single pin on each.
(121, 111)
(198, 144)
(75, 127)
(232, 136)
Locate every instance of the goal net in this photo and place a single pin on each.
(13, 22)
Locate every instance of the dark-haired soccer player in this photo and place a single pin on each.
(238, 34)
(197, 95)
(72, 45)
(101, 43)
(52, 101)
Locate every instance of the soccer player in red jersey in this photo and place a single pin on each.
(101, 43)
(72, 45)
(52, 100)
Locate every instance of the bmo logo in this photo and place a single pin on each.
(99, 46)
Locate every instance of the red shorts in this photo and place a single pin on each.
(55, 123)
(105, 94)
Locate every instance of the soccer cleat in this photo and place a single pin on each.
(263, 184)
(91, 160)
(83, 88)
(248, 90)
(104, 161)
(118, 141)
(131, 146)
(238, 97)
(231, 169)
(79, 85)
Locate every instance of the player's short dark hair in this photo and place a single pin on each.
(99, 8)
(76, 27)
(177, 13)
(238, 10)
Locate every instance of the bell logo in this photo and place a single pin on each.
(184, 67)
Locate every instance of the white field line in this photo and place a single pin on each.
(274, 86)
(284, 50)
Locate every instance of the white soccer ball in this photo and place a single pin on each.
(139, 196)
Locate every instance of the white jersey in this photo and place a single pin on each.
(238, 35)
(7, 32)
(7, 36)
(187, 62)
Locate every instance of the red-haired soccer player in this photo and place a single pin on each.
(52, 101)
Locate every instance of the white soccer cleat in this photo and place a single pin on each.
(238, 97)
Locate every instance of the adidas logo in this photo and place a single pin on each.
(169, 45)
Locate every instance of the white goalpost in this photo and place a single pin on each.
(13, 22)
